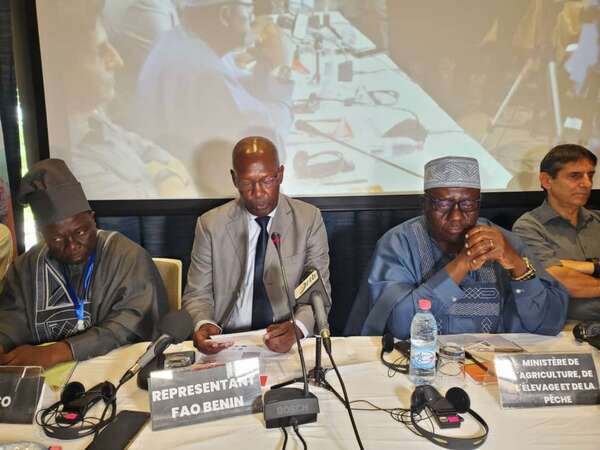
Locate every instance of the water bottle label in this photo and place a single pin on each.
(424, 359)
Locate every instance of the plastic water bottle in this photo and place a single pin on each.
(423, 345)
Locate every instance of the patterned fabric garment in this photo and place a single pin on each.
(55, 317)
(479, 309)
(408, 265)
(124, 301)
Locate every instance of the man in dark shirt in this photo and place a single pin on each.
(85, 291)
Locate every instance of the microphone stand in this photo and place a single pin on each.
(277, 242)
(289, 406)
(316, 375)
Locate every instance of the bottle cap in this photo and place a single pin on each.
(425, 304)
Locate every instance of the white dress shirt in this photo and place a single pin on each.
(241, 314)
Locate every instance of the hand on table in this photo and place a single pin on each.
(205, 344)
(280, 337)
(35, 355)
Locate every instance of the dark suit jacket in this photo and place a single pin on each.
(219, 254)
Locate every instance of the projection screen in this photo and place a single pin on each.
(146, 98)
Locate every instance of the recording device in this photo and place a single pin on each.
(165, 361)
(121, 431)
(445, 411)
(66, 419)
(588, 332)
(311, 290)
(173, 328)
(388, 345)
(289, 406)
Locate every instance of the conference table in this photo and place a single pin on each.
(366, 379)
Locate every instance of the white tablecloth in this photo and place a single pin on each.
(366, 378)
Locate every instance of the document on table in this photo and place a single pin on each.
(247, 344)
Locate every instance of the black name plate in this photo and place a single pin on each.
(529, 380)
(204, 392)
(20, 389)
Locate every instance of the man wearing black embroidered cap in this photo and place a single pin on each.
(86, 290)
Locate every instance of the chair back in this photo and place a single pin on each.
(170, 271)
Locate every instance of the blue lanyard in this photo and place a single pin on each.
(87, 277)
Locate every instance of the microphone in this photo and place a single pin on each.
(289, 406)
(588, 332)
(276, 238)
(173, 328)
(312, 290)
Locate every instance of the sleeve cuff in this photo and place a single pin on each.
(302, 327)
(526, 288)
(204, 322)
(443, 286)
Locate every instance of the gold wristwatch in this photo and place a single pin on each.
(528, 274)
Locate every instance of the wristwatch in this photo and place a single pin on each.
(596, 262)
(528, 274)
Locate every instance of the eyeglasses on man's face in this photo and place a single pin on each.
(265, 183)
(447, 205)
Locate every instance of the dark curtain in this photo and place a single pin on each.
(8, 110)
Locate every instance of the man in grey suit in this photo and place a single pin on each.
(235, 281)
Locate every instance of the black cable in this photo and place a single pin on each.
(346, 399)
(297, 431)
(401, 415)
(113, 402)
(285, 438)
(401, 366)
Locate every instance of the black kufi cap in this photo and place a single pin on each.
(52, 191)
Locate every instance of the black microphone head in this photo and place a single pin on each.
(276, 238)
(387, 342)
(578, 332)
(177, 324)
(310, 269)
(584, 331)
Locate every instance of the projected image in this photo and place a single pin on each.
(146, 98)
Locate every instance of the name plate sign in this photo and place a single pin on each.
(20, 389)
(204, 392)
(530, 380)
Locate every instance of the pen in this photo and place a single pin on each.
(508, 350)
(477, 362)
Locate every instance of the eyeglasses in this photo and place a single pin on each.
(265, 183)
(445, 206)
(80, 236)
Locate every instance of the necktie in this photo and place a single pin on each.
(262, 313)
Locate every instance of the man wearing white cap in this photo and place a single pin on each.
(479, 277)
(87, 291)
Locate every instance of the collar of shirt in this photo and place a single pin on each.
(252, 225)
(547, 213)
